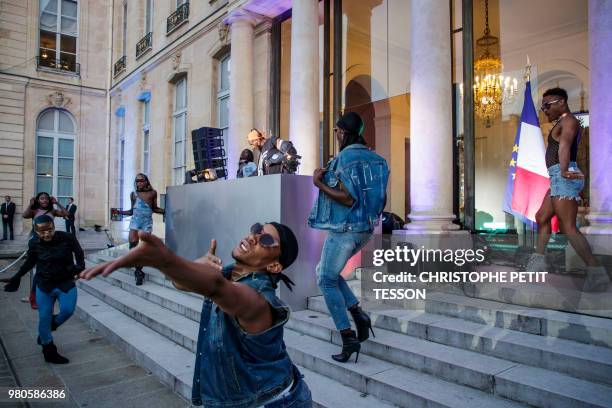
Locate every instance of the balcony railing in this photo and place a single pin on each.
(144, 45)
(119, 66)
(58, 65)
(179, 17)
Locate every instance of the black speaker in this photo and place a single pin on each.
(208, 150)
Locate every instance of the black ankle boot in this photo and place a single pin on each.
(54, 324)
(139, 274)
(52, 356)
(362, 322)
(350, 345)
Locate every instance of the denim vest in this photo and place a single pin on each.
(364, 174)
(234, 368)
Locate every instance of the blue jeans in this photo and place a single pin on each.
(67, 303)
(563, 188)
(338, 248)
(300, 396)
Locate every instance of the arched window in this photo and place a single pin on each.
(55, 154)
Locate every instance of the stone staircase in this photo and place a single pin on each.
(457, 352)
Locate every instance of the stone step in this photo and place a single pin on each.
(151, 274)
(399, 385)
(580, 360)
(169, 324)
(552, 323)
(173, 364)
(452, 364)
(183, 332)
(461, 366)
(585, 361)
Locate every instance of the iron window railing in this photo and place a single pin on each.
(180, 16)
(120, 65)
(58, 65)
(144, 45)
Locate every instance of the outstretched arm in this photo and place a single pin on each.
(131, 210)
(202, 276)
(12, 284)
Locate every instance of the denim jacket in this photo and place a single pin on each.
(234, 368)
(364, 174)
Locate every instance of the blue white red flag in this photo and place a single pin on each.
(528, 179)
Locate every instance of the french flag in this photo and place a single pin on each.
(528, 179)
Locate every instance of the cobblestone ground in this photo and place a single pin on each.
(99, 374)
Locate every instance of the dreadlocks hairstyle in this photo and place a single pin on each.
(148, 184)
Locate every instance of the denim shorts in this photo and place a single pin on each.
(562, 188)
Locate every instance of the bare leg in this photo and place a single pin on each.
(133, 236)
(543, 217)
(138, 273)
(566, 210)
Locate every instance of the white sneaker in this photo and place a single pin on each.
(597, 279)
(536, 263)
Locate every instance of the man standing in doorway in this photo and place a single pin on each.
(566, 183)
(8, 212)
(71, 208)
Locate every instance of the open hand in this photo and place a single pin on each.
(151, 251)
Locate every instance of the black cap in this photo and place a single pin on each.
(351, 122)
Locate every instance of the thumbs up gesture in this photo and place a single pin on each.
(210, 258)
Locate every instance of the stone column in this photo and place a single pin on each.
(600, 61)
(431, 155)
(241, 86)
(304, 94)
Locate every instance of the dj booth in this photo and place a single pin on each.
(225, 210)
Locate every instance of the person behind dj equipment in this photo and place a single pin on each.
(144, 204)
(241, 360)
(246, 165)
(273, 154)
(263, 147)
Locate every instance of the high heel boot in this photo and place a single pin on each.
(362, 322)
(139, 274)
(350, 345)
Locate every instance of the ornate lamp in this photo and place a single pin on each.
(491, 88)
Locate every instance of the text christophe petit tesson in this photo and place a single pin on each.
(459, 257)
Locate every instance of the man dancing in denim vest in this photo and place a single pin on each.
(352, 195)
(241, 360)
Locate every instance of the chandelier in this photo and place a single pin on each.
(491, 88)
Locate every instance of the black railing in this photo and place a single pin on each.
(144, 45)
(180, 16)
(58, 65)
(119, 66)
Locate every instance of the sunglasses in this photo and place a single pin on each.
(140, 180)
(265, 240)
(547, 105)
